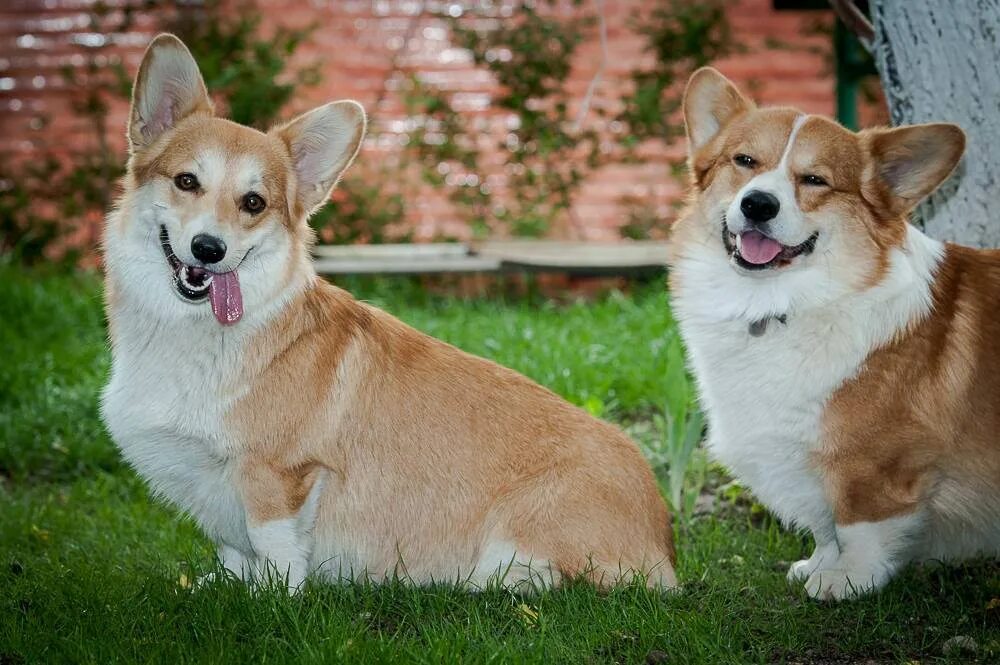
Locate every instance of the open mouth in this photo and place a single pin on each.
(195, 284)
(752, 250)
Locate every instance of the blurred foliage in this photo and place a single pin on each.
(50, 198)
(546, 155)
(47, 202)
(246, 71)
(361, 210)
(682, 36)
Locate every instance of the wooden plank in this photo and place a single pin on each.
(407, 266)
(390, 251)
(580, 256)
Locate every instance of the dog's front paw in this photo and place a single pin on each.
(291, 580)
(842, 584)
(801, 570)
(207, 580)
(821, 557)
(220, 577)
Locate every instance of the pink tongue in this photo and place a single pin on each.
(757, 248)
(227, 301)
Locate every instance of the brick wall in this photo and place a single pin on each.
(357, 42)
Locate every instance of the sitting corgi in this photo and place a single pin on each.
(848, 364)
(308, 433)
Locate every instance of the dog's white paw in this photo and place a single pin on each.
(842, 584)
(801, 570)
(822, 557)
(290, 581)
(220, 576)
(208, 579)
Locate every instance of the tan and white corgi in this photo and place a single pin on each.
(308, 433)
(848, 364)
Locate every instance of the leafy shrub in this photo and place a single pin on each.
(50, 199)
(246, 71)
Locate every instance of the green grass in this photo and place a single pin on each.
(92, 570)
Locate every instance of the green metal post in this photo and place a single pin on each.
(845, 47)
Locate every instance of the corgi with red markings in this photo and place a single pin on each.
(310, 434)
(848, 363)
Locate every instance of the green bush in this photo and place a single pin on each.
(45, 200)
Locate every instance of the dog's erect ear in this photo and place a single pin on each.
(168, 88)
(710, 101)
(322, 144)
(908, 163)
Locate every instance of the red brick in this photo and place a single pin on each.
(357, 41)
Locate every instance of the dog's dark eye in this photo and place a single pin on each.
(186, 182)
(746, 161)
(814, 181)
(254, 203)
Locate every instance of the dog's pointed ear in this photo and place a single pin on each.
(710, 102)
(322, 144)
(167, 89)
(908, 163)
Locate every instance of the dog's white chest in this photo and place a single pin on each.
(764, 397)
(165, 411)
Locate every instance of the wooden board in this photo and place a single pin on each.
(573, 255)
(405, 266)
(392, 251)
(582, 258)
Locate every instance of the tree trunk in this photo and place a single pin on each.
(939, 61)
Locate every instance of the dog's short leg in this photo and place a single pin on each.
(282, 552)
(870, 554)
(277, 501)
(235, 562)
(826, 551)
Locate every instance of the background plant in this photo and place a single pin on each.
(547, 156)
(55, 195)
(682, 36)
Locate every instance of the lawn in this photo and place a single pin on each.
(92, 570)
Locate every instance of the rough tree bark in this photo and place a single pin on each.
(939, 60)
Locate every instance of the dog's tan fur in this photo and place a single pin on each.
(429, 456)
(442, 449)
(931, 398)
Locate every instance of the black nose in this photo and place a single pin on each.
(208, 249)
(759, 207)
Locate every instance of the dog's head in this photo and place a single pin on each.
(214, 216)
(797, 205)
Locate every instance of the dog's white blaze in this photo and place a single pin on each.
(210, 167)
(788, 226)
(247, 175)
(796, 126)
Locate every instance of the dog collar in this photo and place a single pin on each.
(759, 327)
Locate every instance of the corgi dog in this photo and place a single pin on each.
(307, 433)
(847, 363)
